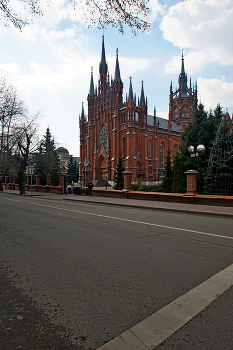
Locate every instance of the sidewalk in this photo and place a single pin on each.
(199, 209)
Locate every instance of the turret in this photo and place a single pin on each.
(142, 99)
(117, 70)
(130, 98)
(91, 90)
(82, 118)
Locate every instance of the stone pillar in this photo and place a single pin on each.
(37, 180)
(127, 179)
(49, 180)
(62, 180)
(191, 182)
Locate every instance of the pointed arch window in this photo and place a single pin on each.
(128, 115)
(136, 117)
(161, 155)
(124, 147)
(185, 112)
(175, 113)
(149, 149)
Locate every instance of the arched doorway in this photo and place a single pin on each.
(101, 168)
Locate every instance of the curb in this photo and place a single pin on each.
(184, 211)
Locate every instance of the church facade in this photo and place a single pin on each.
(114, 126)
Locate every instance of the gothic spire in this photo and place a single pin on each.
(91, 91)
(130, 91)
(117, 70)
(182, 64)
(82, 114)
(183, 79)
(103, 63)
(142, 99)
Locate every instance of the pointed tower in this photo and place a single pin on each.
(182, 102)
(117, 84)
(142, 99)
(103, 65)
(183, 88)
(91, 99)
(117, 70)
(82, 114)
(91, 90)
(103, 71)
(130, 97)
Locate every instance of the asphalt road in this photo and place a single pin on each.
(83, 273)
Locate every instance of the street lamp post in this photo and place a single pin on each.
(200, 150)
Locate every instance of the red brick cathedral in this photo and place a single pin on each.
(113, 125)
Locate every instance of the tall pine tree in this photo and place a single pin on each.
(201, 131)
(119, 177)
(178, 180)
(168, 173)
(47, 160)
(72, 173)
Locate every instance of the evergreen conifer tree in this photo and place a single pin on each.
(168, 173)
(47, 161)
(119, 177)
(201, 131)
(178, 183)
(72, 171)
(219, 173)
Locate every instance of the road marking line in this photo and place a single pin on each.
(133, 221)
(162, 324)
(14, 200)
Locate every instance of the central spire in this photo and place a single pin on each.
(91, 91)
(183, 79)
(130, 90)
(142, 99)
(103, 63)
(117, 70)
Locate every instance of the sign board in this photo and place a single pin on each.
(31, 163)
(31, 170)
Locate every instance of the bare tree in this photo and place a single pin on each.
(11, 18)
(17, 132)
(97, 13)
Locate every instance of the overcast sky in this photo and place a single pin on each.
(50, 61)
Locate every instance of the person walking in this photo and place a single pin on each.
(90, 186)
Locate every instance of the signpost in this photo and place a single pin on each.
(31, 169)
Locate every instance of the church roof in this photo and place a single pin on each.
(162, 123)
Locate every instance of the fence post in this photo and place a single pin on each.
(127, 179)
(191, 182)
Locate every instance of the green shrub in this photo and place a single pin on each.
(135, 187)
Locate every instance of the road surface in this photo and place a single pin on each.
(81, 273)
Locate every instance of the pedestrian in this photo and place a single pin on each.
(90, 186)
(67, 190)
